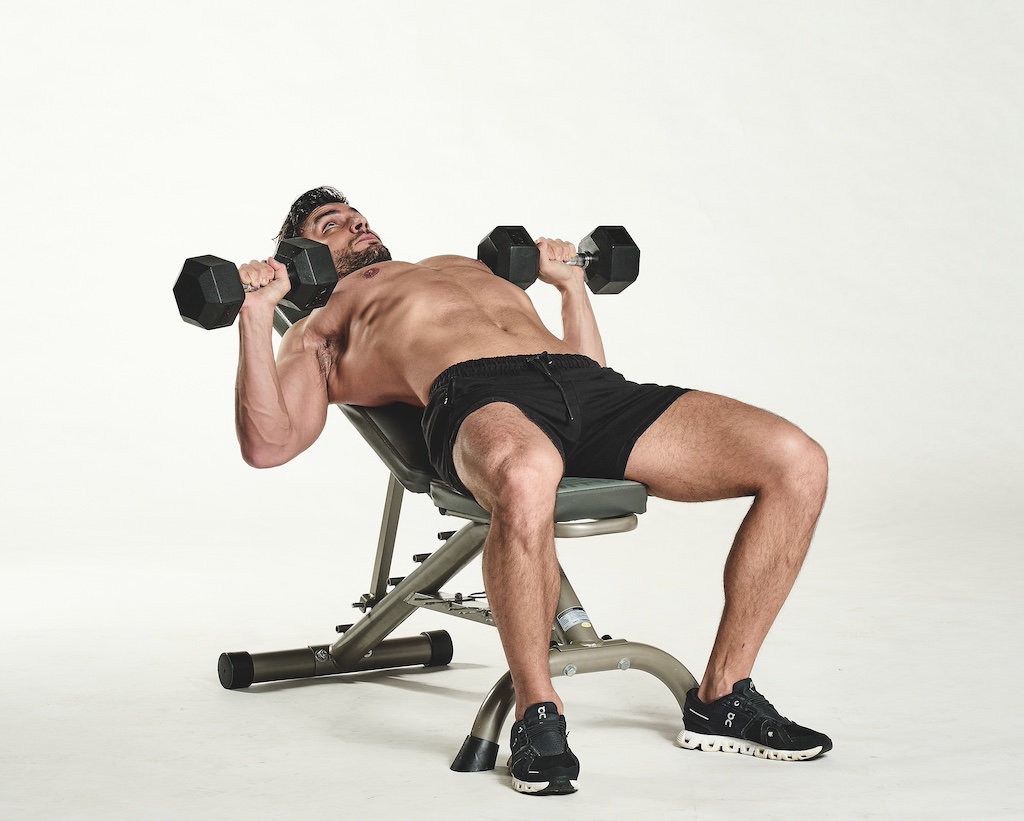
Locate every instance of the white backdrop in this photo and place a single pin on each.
(829, 199)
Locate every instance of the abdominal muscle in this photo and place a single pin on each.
(392, 328)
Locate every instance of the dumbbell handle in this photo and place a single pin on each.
(582, 259)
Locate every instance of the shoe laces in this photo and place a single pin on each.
(762, 706)
(545, 736)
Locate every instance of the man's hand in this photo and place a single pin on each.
(265, 281)
(554, 254)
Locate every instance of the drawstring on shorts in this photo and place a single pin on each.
(541, 362)
(496, 367)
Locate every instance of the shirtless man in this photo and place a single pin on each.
(510, 408)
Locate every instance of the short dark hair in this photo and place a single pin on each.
(306, 205)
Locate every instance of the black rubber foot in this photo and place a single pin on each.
(441, 649)
(235, 670)
(475, 756)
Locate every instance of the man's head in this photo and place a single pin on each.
(323, 214)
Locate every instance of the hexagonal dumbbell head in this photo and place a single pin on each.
(616, 262)
(208, 292)
(311, 271)
(510, 252)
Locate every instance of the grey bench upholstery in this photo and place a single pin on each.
(393, 431)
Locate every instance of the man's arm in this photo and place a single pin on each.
(280, 406)
(579, 325)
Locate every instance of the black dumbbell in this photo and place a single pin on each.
(610, 258)
(509, 251)
(209, 291)
(608, 255)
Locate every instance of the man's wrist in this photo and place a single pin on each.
(571, 284)
(256, 316)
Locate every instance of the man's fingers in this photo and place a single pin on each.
(258, 273)
(247, 273)
(557, 249)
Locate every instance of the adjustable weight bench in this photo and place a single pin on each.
(584, 507)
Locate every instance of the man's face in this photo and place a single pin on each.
(347, 233)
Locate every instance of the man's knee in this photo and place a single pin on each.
(521, 481)
(802, 463)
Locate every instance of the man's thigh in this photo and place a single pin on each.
(707, 447)
(498, 445)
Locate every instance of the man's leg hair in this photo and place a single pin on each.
(513, 471)
(707, 447)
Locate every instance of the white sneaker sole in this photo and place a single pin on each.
(725, 744)
(561, 788)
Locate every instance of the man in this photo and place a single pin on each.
(510, 409)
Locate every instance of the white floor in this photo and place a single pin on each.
(902, 641)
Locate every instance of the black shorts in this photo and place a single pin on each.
(593, 415)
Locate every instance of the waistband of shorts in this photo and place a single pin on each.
(511, 366)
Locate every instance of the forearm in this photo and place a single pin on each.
(579, 325)
(261, 415)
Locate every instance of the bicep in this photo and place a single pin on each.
(304, 391)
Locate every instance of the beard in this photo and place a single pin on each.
(348, 261)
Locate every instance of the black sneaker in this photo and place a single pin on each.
(541, 762)
(745, 722)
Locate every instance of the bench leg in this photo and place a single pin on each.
(395, 607)
(479, 751)
(239, 670)
(365, 645)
